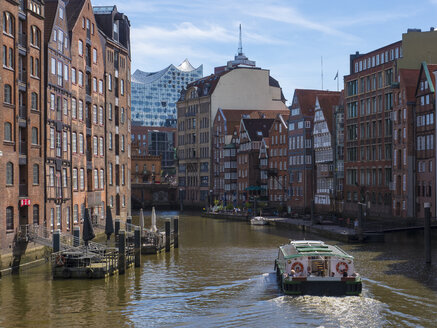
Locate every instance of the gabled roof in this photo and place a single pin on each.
(327, 103)
(50, 8)
(426, 69)
(305, 99)
(233, 117)
(74, 7)
(257, 128)
(408, 80)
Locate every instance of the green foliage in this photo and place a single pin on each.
(247, 205)
(230, 207)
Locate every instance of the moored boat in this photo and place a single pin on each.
(314, 268)
(258, 220)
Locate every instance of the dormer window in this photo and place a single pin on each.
(61, 13)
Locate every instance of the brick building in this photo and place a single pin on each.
(403, 193)
(300, 149)
(425, 135)
(251, 134)
(369, 101)
(114, 32)
(277, 172)
(21, 127)
(57, 168)
(146, 169)
(88, 120)
(324, 151)
(224, 165)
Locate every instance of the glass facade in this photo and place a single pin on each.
(154, 95)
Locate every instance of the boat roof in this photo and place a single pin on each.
(298, 248)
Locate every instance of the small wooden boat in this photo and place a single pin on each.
(314, 268)
(258, 220)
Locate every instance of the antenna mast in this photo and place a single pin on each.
(240, 44)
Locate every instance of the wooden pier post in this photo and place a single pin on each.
(427, 232)
(76, 236)
(137, 245)
(128, 223)
(56, 241)
(176, 231)
(167, 235)
(122, 252)
(117, 227)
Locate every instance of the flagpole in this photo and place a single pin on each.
(337, 82)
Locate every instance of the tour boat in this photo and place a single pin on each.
(309, 267)
(258, 220)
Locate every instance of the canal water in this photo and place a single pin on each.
(222, 276)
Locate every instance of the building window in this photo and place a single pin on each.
(10, 218)
(35, 174)
(74, 142)
(94, 114)
(122, 87)
(74, 179)
(101, 115)
(9, 174)
(94, 55)
(8, 94)
(81, 78)
(94, 84)
(81, 143)
(36, 214)
(110, 173)
(73, 108)
(80, 48)
(101, 86)
(52, 138)
(80, 112)
(82, 179)
(34, 101)
(7, 131)
(110, 82)
(75, 213)
(102, 178)
(95, 146)
(96, 179)
(64, 141)
(34, 136)
(73, 75)
(101, 146)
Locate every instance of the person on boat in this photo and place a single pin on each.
(309, 271)
(293, 273)
(332, 274)
(344, 274)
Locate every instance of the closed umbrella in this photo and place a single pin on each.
(88, 231)
(109, 226)
(141, 220)
(153, 225)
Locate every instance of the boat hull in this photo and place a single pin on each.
(319, 286)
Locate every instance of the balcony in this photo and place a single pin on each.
(22, 80)
(22, 190)
(22, 41)
(22, 116)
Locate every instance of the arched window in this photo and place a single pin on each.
(8, 131)
(10, 218)
(8, 94)
(9, 173)
(35, 36)
(36, 214)
(8, 23)
(34, 101)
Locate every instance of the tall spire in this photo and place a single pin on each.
(240, 59)
(240, 45)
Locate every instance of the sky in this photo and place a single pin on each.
(296, 40)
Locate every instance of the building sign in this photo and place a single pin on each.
(24, 202)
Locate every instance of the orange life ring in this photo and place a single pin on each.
(342, 267)
(297, 266)
(60, 260)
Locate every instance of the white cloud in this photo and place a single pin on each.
(292, 16)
